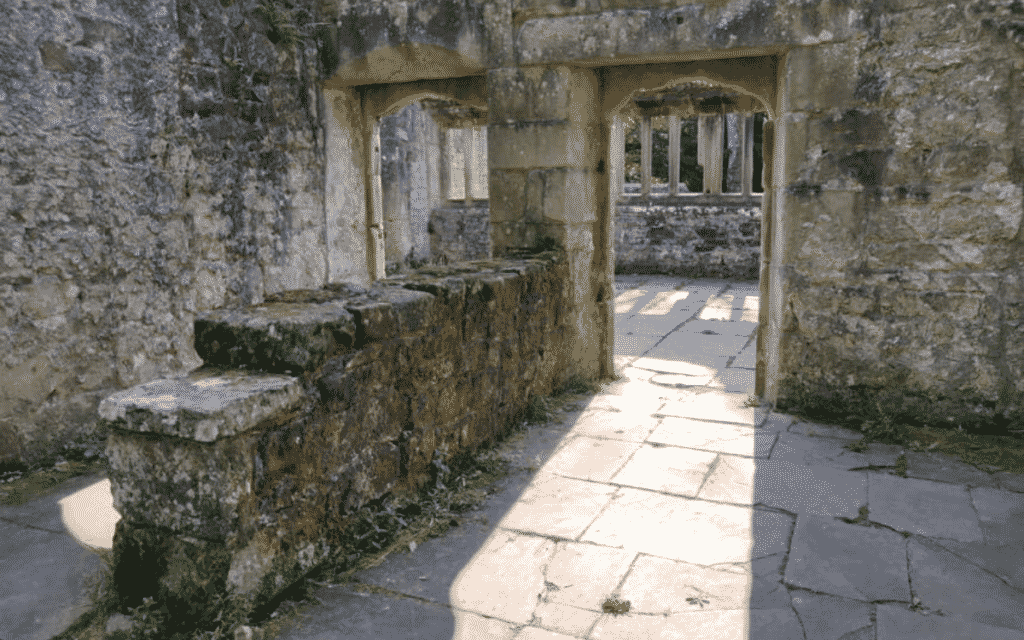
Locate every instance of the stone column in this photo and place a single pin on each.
(467, 163)
(709, 151)
(746, 134)
(546, 148)
(617, 157)
(646, 151)
(674, 131)
(375, 202)
(445, 166)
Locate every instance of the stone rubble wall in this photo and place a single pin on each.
(458, 233)
(680, 237)
(242, 474)
(158, 159)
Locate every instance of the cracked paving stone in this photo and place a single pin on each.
(922, 507)
(777, 624)
(826, 617)
(847, 560)
(943, 580)
(896, 623)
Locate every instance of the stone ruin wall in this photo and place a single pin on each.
(156, 164)
(681, 237)
(246, 473)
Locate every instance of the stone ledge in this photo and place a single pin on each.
(204, 405)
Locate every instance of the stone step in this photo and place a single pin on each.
(298, 331)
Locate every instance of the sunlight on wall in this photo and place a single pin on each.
(89, 516)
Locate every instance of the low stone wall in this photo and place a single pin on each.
(242, 475)
(460, 233)
(691, 235)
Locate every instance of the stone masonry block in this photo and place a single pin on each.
(822, 78)
(528, 94)
(193, 488)
(507, 191)
(276, 336)
(413, 309)
(543, 144)
(374, 320)
(205, 406)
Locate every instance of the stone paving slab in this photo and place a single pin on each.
(594, 459)
(830, 452)
(1009, 481)
(557, 506)
(826, 617)
(896, 623)
(504, 578)
(733, 380)
(776, 624)
(847, 560)
(659, 586)
(714, 436)
(666, 469)
(782, 485)
(928, 465)
(691, 530)
(689, 347)
(714, 404)
(922, 507)
(1006, 561)
(618, 425)
(815, 430)
(626, 345)
(1000, 514)
(944, 581)
(44, 570)
(733, 328)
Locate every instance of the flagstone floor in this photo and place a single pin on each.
(709, 518)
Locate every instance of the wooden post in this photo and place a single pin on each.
(674, 131)
(645, 156)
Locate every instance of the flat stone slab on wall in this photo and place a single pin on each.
(694, 236)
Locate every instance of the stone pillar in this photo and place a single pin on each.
(646, 150)
(546, 149)
(445, 165)
(709, 150)
(375, 202)
(746, 135)
(467, 163)
(674, 131)
(617, 157)
(345, 192)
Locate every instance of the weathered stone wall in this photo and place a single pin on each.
(158, 159)
(410, 178)
(901, 185)
(459, 233)
(689, 235)
(242, 474)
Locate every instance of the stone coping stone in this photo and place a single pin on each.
(297, 331)
(205, 405)
(276, 336)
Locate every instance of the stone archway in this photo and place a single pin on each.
(354, 201)
(743, 84)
